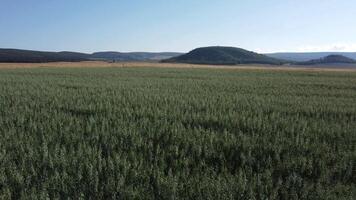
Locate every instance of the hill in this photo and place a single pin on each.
(133, 56)
(17, 55)
(223, 56)
(331, 59)
(302, 57)
(29, 56)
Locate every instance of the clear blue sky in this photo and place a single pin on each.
(178, 25)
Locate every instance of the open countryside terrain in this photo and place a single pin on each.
(101, 64)
(177, 132)
(212, 55)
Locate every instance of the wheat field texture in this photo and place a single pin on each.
(169, 133)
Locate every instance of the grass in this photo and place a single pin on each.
(158, 133)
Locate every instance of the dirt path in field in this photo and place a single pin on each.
(95, 64)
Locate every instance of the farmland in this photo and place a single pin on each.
(177, 133)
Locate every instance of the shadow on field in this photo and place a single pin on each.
(73, 87)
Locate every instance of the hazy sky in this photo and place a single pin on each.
(178, 25)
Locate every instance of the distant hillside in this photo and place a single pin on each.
(331, 59)
(133, 56)
(223, 56)
(302, 57)
(28, 56)
(17, 55)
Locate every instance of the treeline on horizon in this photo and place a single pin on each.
(224, 56)
(29, 56)
(215, 55)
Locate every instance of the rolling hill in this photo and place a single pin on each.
(303, 57)
(133, 56)
(29, 56)
(331, 59)
(223, 56)
(17, 55)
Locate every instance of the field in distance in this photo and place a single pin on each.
(176, 133)
(101, 64)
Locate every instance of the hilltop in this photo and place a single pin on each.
(331, 59)
(217, 55)
(29, 56)
(307, 56)
(133, 56)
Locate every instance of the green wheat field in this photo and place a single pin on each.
(165, 133)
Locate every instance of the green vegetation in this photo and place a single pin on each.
(132, 56)
(306, 56)
(224, 56)
(139, 133)
(28, 56)
(329, 60)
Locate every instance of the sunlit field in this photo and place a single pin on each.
(177, 133)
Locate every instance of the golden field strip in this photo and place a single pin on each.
(99, 64)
